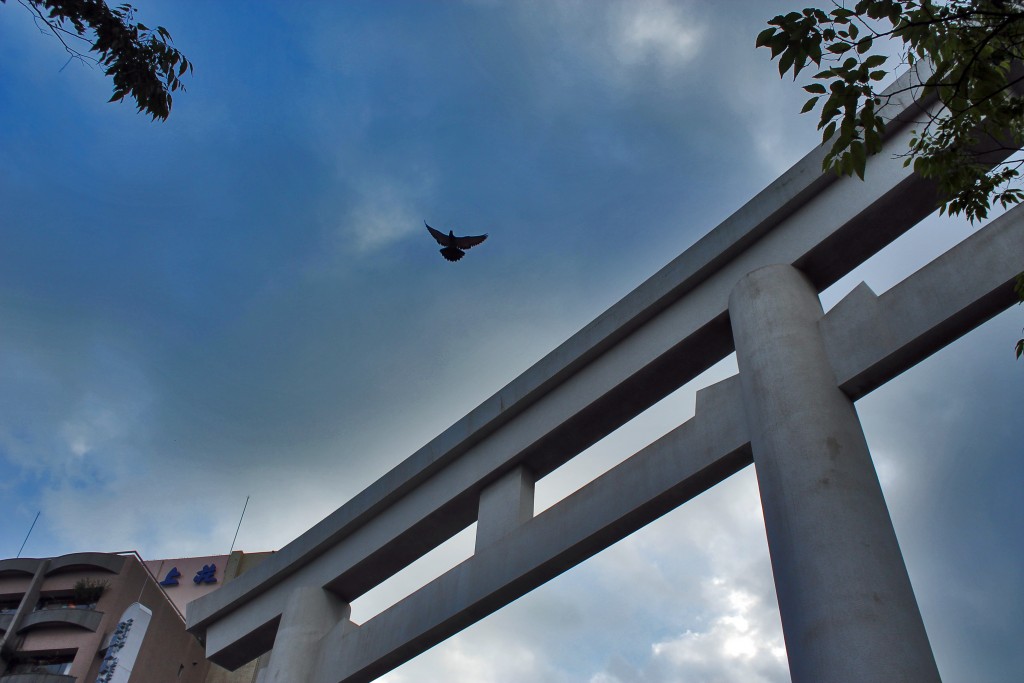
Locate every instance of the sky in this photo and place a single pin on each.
(243, 301)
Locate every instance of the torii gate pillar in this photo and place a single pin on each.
(848, 611)
(310, 613)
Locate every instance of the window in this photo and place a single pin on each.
(62, 602)
(42, 664)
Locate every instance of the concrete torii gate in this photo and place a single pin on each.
(751, 285)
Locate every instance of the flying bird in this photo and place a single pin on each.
(453, 248)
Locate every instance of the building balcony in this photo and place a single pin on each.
(21, 565)
(69, 616)
(5, 622)
(87, 561)
(72, 562)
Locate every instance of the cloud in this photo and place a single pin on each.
(385, 210)
(691, 594)
(738, 645)
(467, 659)
(655, 31)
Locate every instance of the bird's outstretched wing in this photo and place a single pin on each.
(441, 238)
(469, 241)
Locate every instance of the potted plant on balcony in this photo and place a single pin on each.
(88, 591)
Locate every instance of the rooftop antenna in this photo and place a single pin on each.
(239, 525)
(30, 533)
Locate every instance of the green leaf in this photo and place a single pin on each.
(809, 105)
(838, 48)
(830, 130)
(842, 162)
(764, 37)
(859, 158)
(787, 61)
(815, 88)
(813, 48)
(778, 44)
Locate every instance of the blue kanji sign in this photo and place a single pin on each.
(172, 577)
(206, 574)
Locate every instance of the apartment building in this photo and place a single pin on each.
(109, 618)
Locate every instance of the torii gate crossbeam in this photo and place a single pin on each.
(661, 335)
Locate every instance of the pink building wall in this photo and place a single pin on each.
(187, 589)
(169, 654)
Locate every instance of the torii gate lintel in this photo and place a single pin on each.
(737, 284)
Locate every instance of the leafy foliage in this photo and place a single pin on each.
(1019, 288)
(88, 591)
(141, 61)
(969, 55)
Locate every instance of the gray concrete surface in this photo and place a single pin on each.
(660, 336)
(8, 642)
(682, 464)
(87, 619)
(664, 333)
(891, 332)
(872, 339)
(309, 614)
(690, 459)
(504, 506)
(847, 606)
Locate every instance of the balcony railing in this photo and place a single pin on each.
(37, 678)
(82, 618)
(63, 604)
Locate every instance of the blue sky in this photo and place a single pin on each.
(243, 301)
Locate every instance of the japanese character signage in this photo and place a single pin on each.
(172, 577)
(117, 641)
(208, 574)
(124, 646)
